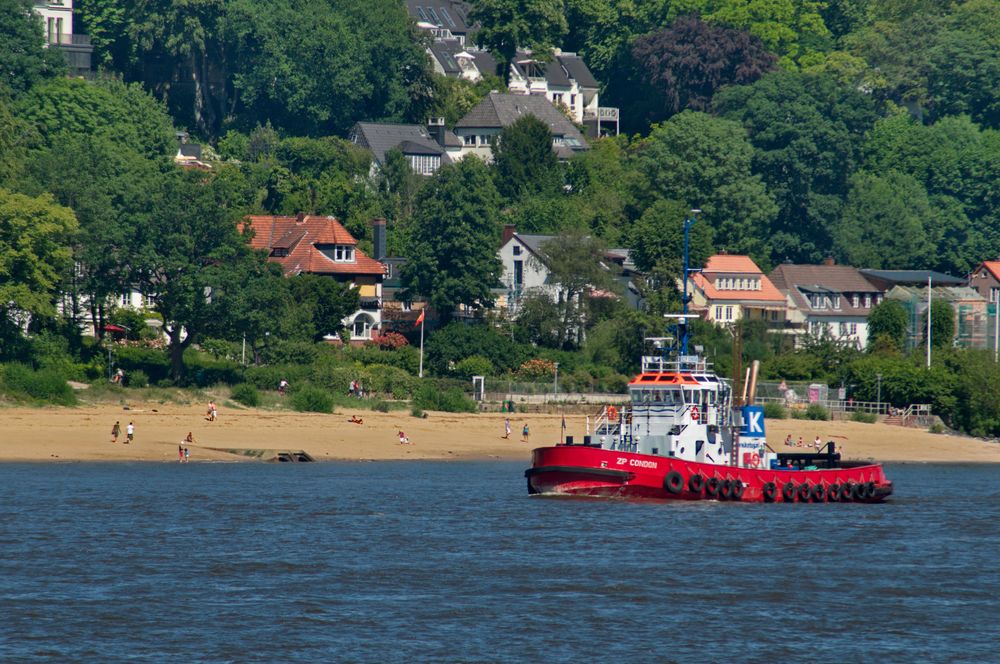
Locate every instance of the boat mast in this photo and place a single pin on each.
(685, 298)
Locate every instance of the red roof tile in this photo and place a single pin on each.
(305, 241)
(735, 265)
(993, 267)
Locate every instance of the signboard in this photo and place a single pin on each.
(753, 422)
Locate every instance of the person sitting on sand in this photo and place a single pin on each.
(789, 442)
(355, 420)
(801, 443)
(403, 440)
(189, 439)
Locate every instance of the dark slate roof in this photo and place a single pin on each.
(444, 52)
(577, 70)
(190, 150)
(382, 137)
(556, 75)
(500, 110)
(534, 242)
(799, 280)
(914, 277)
(450, 14)
(485, 62)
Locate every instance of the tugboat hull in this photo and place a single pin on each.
(593, 471)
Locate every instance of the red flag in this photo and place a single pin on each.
(420, 318)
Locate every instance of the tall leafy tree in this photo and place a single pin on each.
(23, 59)
(35, 253)
(686, 62)
(942, 324)
(888, 324)
(807, 135)
(453, 240)
(705, 162)
(886, 224)
(523, 160)
(183, 253)
(508, 25)
(657, 239)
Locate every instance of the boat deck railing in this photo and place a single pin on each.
(687, 363)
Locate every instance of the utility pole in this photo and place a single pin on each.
(928, 321)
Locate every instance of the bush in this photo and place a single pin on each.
(416, 412)
(246, 394)
(867, 418)
(311, 399)
(47, 385)
(537, 370)
(381, 406)
(137, 378)
(797, 414)
(268, 377)
(937, 427)
(152, 361)
(775, 411)
(453, 400)
(816, 412)
(474, 365)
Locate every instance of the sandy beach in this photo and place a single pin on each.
(83, 434)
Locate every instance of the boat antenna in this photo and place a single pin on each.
(685, 298)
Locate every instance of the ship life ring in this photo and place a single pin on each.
(727, 489)
(712, 485)
(673, 482)
(695, 413)
(788, 492)
(804, 492)
(818, 493)
(737, 490)
(696, 483)
(612, 413)
(769, 491)
(833, 493)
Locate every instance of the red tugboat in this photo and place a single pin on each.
(684, 437)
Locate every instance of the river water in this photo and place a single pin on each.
(426, 561)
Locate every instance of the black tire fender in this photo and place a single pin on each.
(769, 491)
(673, 482)
(696, 483)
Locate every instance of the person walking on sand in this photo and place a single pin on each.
(180, 454)
(212, 413)
(116, 431)
(817, 443)
(187, 455)
(506, 427)
(129, 433)
(524, 433)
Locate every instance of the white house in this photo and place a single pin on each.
(57, 26)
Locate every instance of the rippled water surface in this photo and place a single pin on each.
(446, 561)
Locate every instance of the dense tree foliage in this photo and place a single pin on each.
(507, 25)
(23, 60)
(523, 159)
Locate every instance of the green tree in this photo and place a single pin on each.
(23, 59)
(454, 237)
(888, 325)
(886, 223)
(184, 252)
(327, 301)
(942, 324)
(457, 341)
(657, 239)
(508, 25)
(793, 30)
(35, 237)
(523, 159)
(574, 261)
(705, 163)
(806, 131)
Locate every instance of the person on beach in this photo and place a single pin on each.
(817, 443)
(524, 433)
(187, 455)
(506, 427)
(116, 431)
(129, 433)
(356, 420)
(789, 442)
(180, 454)
(403, 440)
(801, 443)
(282, 387)
(212, 413)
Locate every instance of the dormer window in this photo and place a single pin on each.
(280, 252)
(343, 253)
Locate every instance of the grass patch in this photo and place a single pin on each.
(46, 386)
(246, 394)
(453, 400)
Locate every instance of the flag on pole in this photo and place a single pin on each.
(420, 318)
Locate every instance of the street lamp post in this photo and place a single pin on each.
(555, 382)
(878, 398)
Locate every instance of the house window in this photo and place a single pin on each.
(343, 253)
(994, 294)
(125, 299)
(718, 284)
(149, 301)
(468, 139)
(718, 313)
(836, 302)
(852, 329)
(843, 329)
(868, 301)
(855, 301)
(729, 313)
(362, 328)
(572, 101)
(557, 98)
(518, 274)
(484, 140)
(774, 315)
(516, 249)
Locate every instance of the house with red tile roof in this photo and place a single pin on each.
(310, 244)
(985, 280)
(732, 288)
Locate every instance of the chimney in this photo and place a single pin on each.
(300, 217)
(828, 261)
(435, 127)
(378, 238)
(508, 233)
